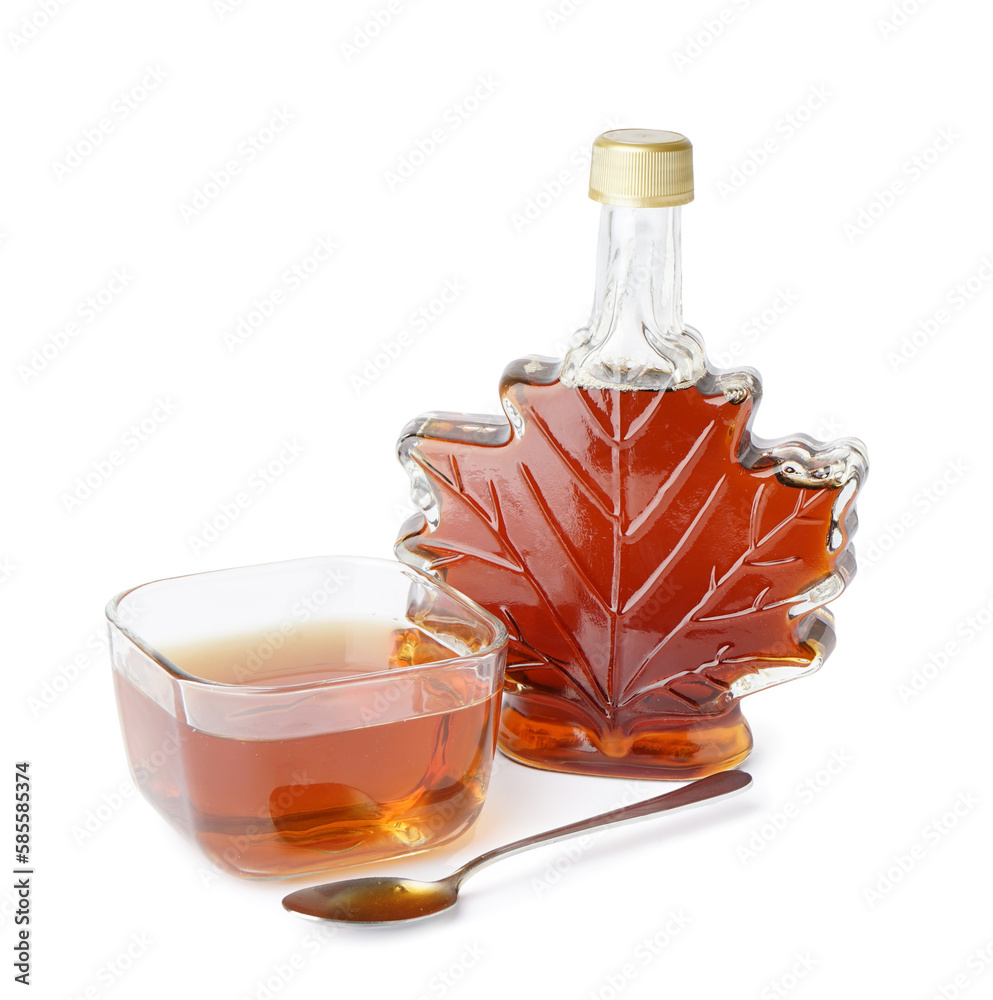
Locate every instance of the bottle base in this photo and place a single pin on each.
(675, 748)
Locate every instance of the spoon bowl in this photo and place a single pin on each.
(374, 900)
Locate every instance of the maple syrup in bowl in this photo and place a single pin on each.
(308, 715)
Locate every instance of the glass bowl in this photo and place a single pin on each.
(307, 715)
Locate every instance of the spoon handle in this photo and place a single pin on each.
(713, 786)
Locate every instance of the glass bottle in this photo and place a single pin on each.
(653, 561)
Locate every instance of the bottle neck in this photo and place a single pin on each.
(636, 338)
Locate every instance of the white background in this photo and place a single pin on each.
(837, 218)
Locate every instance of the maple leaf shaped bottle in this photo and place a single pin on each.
(652, 560)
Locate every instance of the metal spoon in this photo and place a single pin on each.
(388, 900)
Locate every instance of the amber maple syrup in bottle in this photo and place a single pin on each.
(653, 561)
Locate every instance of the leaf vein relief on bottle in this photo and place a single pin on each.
(652, 560)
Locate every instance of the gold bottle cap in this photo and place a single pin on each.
(642, 168)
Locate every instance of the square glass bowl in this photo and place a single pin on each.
(308, 715)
